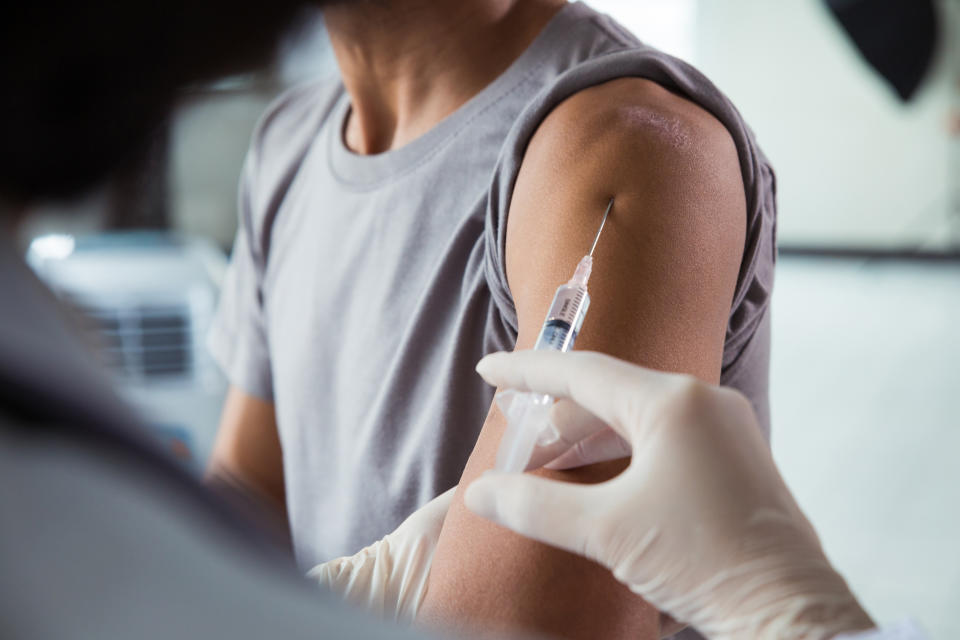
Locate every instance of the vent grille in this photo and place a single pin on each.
(141, 341)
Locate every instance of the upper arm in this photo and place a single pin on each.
(666, 265)
(247, 449)
(664, 277)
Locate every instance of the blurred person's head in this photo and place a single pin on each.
(85, 84)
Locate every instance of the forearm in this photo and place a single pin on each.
(246, 466)
(246, 480)
(487, 579)
(266, 511)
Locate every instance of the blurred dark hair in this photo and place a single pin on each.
(85, 84)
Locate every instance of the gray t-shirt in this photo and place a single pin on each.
(364, 289)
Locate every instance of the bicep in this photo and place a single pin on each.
(664, 274)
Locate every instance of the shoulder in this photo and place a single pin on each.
(670, 160)
(628, 128)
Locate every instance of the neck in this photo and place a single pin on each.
(408, 64)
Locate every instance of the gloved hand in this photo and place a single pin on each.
(389, 577)
(700, 524)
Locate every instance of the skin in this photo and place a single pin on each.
(662, 284)
(407, 64)
(664, 277)
(247, 456)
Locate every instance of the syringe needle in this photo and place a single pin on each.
(603, 222)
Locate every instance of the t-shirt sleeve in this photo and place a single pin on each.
(238, 339)
(238, 336)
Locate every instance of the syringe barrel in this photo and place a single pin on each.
(560, 329)
(528, 413)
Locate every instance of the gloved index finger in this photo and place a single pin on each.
(615, 391)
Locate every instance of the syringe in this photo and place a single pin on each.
(528, 413)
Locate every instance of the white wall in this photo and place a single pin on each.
(864, 383)
(208, 142)
(855, 166)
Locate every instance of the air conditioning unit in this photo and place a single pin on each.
(146, 301)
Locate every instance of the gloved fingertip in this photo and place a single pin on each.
(491, 364)
(481, 497)
(488, 364)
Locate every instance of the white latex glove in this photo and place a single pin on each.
(700, 524)
(389, 577)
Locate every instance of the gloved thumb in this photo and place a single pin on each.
(555, 513)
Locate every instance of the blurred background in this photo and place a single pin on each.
(866, 308)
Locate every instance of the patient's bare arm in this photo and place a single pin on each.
(665, 271)
(246, 466)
